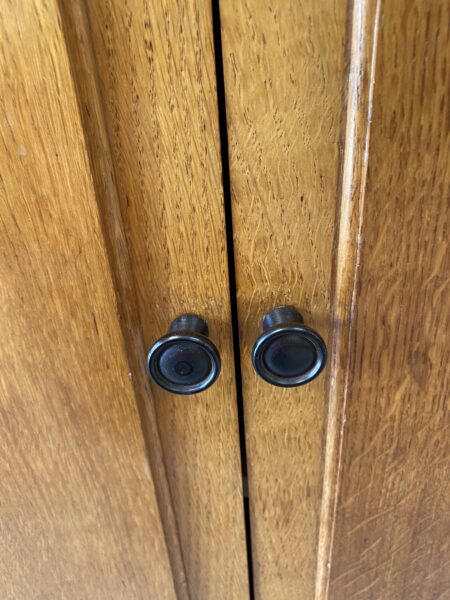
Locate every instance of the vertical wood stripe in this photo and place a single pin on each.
(78, 514)
(363, 40)
(393, 514)
(84, 70)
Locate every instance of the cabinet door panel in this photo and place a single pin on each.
(393, 514)
(284, 73)
(157, 79)
(78, 515)
(375, 426)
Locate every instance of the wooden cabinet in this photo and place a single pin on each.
(168, 157)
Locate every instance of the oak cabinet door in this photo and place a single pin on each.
(284, 66)
(339, 147)
(79, 513)
(113, 224)
(392, 524)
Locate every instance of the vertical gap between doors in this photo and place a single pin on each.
(220, 82)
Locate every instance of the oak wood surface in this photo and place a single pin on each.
(78, 512)
(393, 514)
(76, 27)
(284, 66)
(157, 80)
(362, 36)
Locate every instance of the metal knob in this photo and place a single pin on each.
(184, 361)
(288, 353)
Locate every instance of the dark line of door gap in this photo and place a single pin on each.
(220, 82)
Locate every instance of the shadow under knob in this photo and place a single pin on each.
(288, 353)
(184, 361)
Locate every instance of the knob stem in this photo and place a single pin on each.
(189, 322)
(281, 315)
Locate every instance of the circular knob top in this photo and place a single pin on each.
(288, 353)
(184, 361)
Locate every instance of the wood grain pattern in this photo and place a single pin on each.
(359, 99)
(393, 519)
(79, 517)
(76, 26)
(284, 68)
(157, 81)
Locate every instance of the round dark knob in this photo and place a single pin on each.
(184, 361)
(288, 353)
